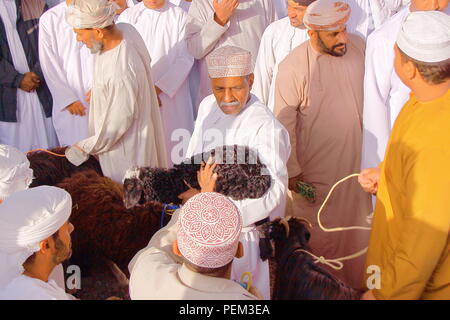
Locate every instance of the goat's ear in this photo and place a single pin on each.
(133, 190)
(305, 235)
(265, 249)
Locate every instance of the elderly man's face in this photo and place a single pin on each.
(429, 5)
(296, 13)
(332, 42)
(91, 38)
(154, 4)
(232, 93)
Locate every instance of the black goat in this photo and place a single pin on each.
(240, 176)
(297, 276)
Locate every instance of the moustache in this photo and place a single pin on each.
(229, 104)
(343, 45)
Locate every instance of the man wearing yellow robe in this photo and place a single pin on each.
(410, 243)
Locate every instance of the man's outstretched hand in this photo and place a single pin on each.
(368, 179)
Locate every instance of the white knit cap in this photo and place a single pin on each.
(209, 227)
(425, 36)
(229, 61)
(86, 14)
(26, 218)
(15, 172)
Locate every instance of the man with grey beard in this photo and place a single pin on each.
(125, 127)
(232, 115)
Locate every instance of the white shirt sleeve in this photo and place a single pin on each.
(377, 86)
(265, 64)
(202, 31)
(172, 80)
(272, 143)
(121, 104)
(54, 75)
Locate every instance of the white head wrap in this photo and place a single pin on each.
(229, 61)
(327, 15)
(15, 172)
(86, 14)
(27, 218)
(425, 36)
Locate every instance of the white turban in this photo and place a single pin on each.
(86, 14)
(425, 36)
(229, 61)
(27, 218)
(327, 15)
(15, 172)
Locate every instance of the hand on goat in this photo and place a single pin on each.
(189, 193)
(368, 179)
(206, 176)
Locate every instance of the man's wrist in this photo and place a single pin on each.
(220, 21)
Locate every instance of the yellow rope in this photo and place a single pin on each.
(337, 263)
(249, 282)
(325, 202)
(44, 150)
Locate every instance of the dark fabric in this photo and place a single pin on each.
(28, 14)
(304, 3)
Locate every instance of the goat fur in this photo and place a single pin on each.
(297, 276)
(104, 228)
(51, 170)
(240, 176)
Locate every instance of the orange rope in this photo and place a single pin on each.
(52, 153)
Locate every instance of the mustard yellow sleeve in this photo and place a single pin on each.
(425, 225)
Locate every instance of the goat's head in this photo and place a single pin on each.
(133, 188)
(284, 233)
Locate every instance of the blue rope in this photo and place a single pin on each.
(162, 215)
(168, 207)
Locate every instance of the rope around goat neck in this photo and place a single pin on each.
(52, 153)
(337, 263)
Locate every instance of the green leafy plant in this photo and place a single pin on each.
(308, 191)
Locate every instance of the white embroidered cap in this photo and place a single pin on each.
(209, 227)
(229, 62)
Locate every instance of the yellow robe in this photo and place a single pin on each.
(410, 234)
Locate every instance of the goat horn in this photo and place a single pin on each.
(285, 225)
(306, 221)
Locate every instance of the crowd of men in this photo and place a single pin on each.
(321, 89)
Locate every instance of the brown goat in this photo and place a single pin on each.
(104, 228)
(50, 170)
